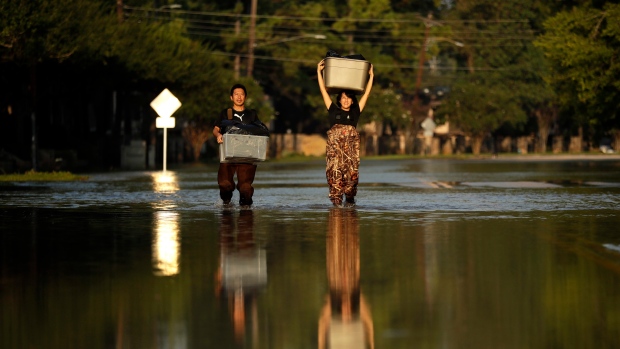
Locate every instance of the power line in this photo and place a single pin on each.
(402, 41)
(227, 26)
(217, 24)
(417, 19)
(415, 42)
(274, 33)
(378, 65)
(202, 26)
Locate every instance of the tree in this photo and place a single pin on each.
(160, 52)
(147, 53)
(582, 46)
(38, 31)
(503, 84)
(290, 77)
(284, 66)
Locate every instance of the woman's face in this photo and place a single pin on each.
(345, 101)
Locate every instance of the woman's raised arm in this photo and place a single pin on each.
(364, 98)
(319, 73)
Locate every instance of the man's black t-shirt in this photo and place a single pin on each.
(339, 116)
(247, 116)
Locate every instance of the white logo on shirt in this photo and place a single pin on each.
(239, 116)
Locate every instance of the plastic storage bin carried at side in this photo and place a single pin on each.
(243, 148)
(345, 74)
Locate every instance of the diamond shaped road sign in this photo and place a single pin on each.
(165, 104)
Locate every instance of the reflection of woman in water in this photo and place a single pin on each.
(345, 320)
(242, 272)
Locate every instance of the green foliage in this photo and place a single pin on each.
(290, 77)
(583, 46)
(416, 6)
(478, 106)
(496, 77)
(162, 52)
(386, 105)
(504, 81)
(38, 30)
(85, 32)
(34, 176)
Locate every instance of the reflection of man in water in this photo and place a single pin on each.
(345, 320)
(243, 268)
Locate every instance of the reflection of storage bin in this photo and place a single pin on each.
(244, 269)
(243, 148)
(345, 74)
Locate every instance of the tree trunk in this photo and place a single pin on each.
(576, 142)
(33, 115)
(476, 144)
(615, 145)
(196, 136)
(544, 117)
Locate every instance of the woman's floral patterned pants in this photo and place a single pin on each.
(343, 160)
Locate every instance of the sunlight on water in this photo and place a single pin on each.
(165, 182)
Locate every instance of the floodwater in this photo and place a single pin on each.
(436, 254)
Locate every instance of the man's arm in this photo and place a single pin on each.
(217, 131)
(218, 134)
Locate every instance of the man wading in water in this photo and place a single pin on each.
(343, 141)
(245, 171)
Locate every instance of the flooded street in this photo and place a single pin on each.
(436, 254)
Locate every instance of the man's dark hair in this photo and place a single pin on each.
(236, 86)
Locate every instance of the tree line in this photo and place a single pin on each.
(489, 68)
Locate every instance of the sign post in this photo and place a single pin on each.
(165, 105)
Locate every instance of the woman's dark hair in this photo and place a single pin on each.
(236, 86)
(349, 94)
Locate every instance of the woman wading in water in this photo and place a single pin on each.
(343, 141)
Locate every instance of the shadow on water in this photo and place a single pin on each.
(436, 254)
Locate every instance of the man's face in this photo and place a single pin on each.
(238, 97)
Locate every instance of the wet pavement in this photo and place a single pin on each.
(436, 254)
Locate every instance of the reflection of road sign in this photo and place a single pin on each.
(165, 105)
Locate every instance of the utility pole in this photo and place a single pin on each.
(33, 115)
(252, 37)
(237, 56)
(119, 10)
(418, 81)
